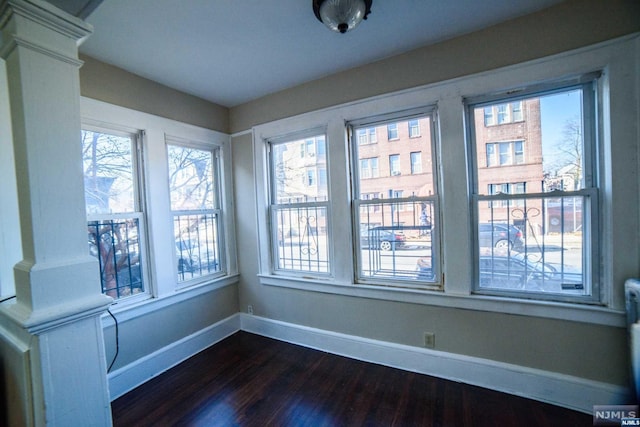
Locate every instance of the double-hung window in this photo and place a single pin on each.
(394, 242)
(536, 221)
(299, 208)
(194, 187)
(115, 219)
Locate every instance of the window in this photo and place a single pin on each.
(195, 194)
(115, 220)
(508, 188)
(500, 114)
(533, 241)
(414, 129)
(394, 164)
(392, 131)
(311, 178)
(367, 136)
(416, 162)
(369, 168)
(505, 153)
(394, 216)
(299, 204)
(489, 118)
(322, 177)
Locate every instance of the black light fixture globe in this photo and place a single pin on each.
(341, 15)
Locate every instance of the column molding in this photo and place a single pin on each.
(52, 356)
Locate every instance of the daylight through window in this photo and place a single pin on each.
(535, 194)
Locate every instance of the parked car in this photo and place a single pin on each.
(382, 238)
(505, 270)
(500, 235)
(508, 270)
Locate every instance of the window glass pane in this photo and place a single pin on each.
(396, 208)
(190, 178)
(299, 205)
(414, 128)
(108, 173)
(416, 162)
(292, 182)
(196, 217)
(548, 151)
(116, 244)
(534, 244)
(114, 222)
(392, 131)
(394, 164)
(196, 245)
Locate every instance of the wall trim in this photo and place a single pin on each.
(142, 370)
(545, 386)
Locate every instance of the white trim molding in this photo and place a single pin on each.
(550, 387)
(142, 370)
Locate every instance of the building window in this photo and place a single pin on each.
(500, 114)
(322, 177)
(367, 136)
(394, 164)
(311, 178)
(369, 168)
(416, 162)
(115, 220)
(506, 188)
(393, 217)
(414, 128)
(195, 193)
(504, 153)
(489, 117)
(531, 242)
(392, 131)
(298, 214)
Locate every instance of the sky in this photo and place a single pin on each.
(555, 111)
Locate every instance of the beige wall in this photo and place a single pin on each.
(554, 345)
(107, 83)
(569, 25)
(585, 350)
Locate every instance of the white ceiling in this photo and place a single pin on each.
(233, 51)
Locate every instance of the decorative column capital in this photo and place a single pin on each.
(39, 25)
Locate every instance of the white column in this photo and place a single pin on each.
(51, 346)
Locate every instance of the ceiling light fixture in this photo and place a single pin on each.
(341, 15)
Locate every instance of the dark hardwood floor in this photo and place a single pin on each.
(250, 380)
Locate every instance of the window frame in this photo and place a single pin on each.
(139, 212)
(274, 206)
(216, 210)
(591, 85)
(616, 61)
(162, 285)
(428, 112)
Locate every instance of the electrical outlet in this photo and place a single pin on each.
(250, 309)
(429, 339)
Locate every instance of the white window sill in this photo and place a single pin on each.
(552, 310)
(124, 311)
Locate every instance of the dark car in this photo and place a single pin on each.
(383, 238)
(500, 235)
(503, 270)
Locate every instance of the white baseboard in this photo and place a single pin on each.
(558, 389)
(550, 387)
(142, 370)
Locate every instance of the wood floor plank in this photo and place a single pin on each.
(249, 380)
